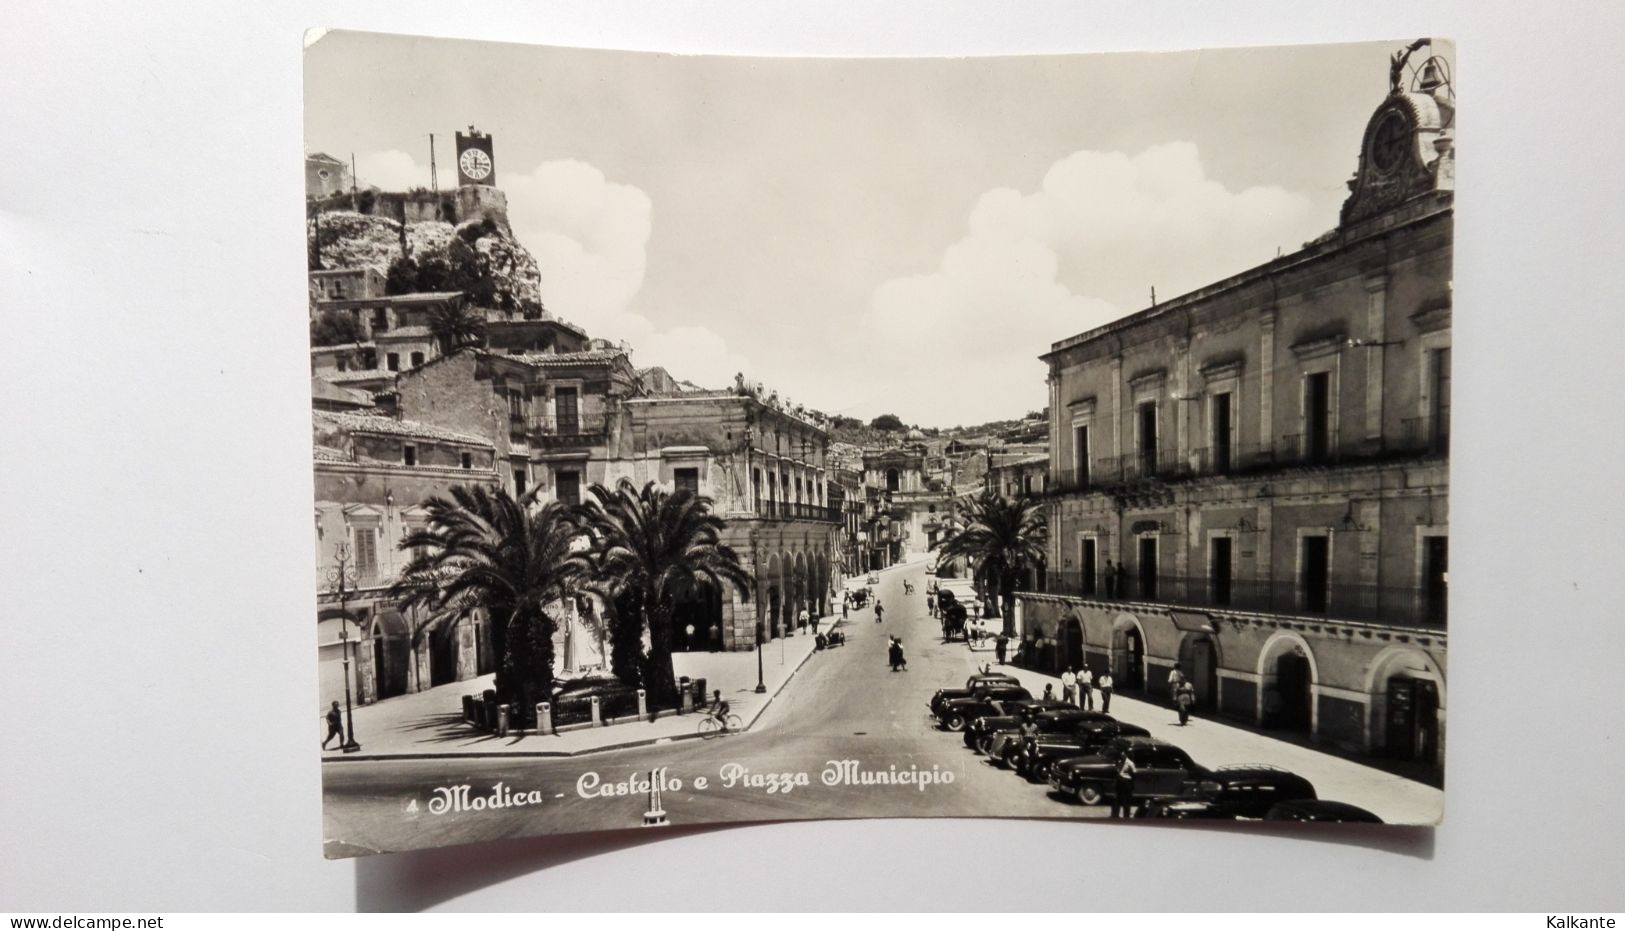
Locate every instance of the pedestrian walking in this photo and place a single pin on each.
(815, 626)
(335, 725)
(1000, 646)
(846, 605)
(1069, 686)
(1123, 797)
(1186, 698)
(879, 612)
(1105, 684)
(931, 603)
(1086, 689)
(802, 618)
(1175, 677)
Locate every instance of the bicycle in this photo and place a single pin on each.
(709, 727)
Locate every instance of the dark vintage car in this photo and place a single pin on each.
(1320, 810)
(1230, 792)
(1034, 757)
(1001, 745)
(955, 713)
(976, 683)
(980, 730)
(1161, 770)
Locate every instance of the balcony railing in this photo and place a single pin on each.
(1403, 606)
(791, 510)
(1416, 437)
(552, 430)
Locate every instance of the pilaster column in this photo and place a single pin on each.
(1376, 306)
(1266, 380)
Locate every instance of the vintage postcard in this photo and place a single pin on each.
(703, 439)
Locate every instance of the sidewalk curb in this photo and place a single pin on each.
(562, 754)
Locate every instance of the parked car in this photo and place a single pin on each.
(1036, 755)
(955, 713)
(984, 728)
(1229, 792)
(1003, 744)
(1319, 810)
(974, 684)
(1161, 770)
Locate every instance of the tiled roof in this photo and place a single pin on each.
(570, 358)
(389, 426)
(424, 297)
(366, 375)
(329, 454)
(340, 347)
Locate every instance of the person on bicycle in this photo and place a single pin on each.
(719, 709)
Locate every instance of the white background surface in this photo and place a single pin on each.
(155, 555)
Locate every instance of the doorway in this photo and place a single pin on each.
(1220, 570)
(1294, 696)
(1412, 730)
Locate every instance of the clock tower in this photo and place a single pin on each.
(475, 165)
(1407, 151)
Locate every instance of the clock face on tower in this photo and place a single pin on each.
(1389, 141)
(476, 165)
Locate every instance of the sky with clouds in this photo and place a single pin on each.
(866, 235)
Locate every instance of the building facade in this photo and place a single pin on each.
(372, 474)
(1249, 483)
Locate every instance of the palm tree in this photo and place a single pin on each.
(453, 325)
(653, 550)
(1001, 539)
(482, 550)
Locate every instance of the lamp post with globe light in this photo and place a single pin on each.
(343, 576)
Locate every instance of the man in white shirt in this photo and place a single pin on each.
(1069, 686)
(1086, 689)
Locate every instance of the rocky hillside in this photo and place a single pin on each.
(508, 277)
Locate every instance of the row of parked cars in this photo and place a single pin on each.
(1077, 753)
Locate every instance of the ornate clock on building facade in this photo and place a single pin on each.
(475, 164)
(1392, 134)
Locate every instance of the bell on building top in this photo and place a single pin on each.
(1431, 78)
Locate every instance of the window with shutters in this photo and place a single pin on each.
(569, 487)
(409, 454)
(366, 552)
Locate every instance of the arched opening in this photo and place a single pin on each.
(802, 589)
(1071, 653)
(1287, 669)
(1199, 663)
(1407, 705)
(1128, 653)
(772, 596)
(389, 655)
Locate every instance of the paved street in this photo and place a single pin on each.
(843, 704)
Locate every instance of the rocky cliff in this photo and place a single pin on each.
(477, 255)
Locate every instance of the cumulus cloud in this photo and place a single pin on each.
(1083, 249)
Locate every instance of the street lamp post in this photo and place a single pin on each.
(761, 686)
(344, 577)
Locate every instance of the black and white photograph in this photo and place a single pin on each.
(704, 439)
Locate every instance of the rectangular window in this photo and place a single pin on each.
(1317, 416)
(1087, 567)
(687, 480)
(468, 460)
(1439, 375)
(569, 487)
(1220, 569)
(1314, 576)
(409, 454)
(1148, 438)
(366, 552)
(392, 361)
(369, 359)
(1435, 578)
(1221, 433)
(520, 481)
(1148, 568)
(380, 320)
(1080, 456)
(756, 486)
(566, 412)
(417, 359)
